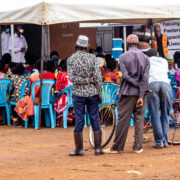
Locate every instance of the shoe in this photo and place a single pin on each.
(78, 139)
(110, 151)
(166, 146)
(97, 142)
(139, 151)
(158, 147)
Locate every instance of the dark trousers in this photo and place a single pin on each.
(79, 110)
(127, 106)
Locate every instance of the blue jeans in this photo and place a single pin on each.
(79, 111)
(159, 105)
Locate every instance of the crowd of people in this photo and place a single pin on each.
(137, 72)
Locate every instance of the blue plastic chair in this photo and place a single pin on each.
(68, 91)
(109, 95)
(172, 78)
(109, 91)
(5, 86)
(24, 84)
(46, 104)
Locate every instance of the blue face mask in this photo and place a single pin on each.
(7, 30)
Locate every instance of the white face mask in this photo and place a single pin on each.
(21, 30)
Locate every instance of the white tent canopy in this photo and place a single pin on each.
(64, 11)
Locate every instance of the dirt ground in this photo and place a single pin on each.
(28, 154)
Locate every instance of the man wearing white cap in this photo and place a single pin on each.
(86, 78)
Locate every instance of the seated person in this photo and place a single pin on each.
(35, 76)
(7, 60)
(176, 58)
(49, 70)
(2, 74)
(11, 68)
(17, 80)
(177, 78)
(54, 56)
(110, 72)
(61, 101)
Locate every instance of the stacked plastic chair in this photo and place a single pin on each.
(47, 102)
(5, 87)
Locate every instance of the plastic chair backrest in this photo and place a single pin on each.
(5, 85)
(172, 78)
(109, 92)
(46, 90)
(68, 91)
(23, 88)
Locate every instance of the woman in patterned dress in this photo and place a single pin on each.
(61, 101)
(17, 80)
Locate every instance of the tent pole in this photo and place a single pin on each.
(150, 25)
(42, 67)
(12, 42)
(47, 43)
(124, 38)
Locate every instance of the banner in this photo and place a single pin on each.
(172, 29)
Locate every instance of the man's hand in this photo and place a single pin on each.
(99, 99)
(23, 49)
(139, 102)
(92, 80)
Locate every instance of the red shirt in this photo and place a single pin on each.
(48, 75)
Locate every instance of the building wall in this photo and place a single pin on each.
(64, 36)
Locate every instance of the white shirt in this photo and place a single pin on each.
(35, 72)
(158, 70)
(19, 42)
(5, 42)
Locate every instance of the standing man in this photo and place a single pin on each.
(20, 45)
(160, 100)
(86, 78)
(5, 39)
(160, 42)
(134, 66)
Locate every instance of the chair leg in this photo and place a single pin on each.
(36, 116)
(8, 115)
(52, 117)
(88, 119)
(116, 111)
(26, 124)
(3, 114)
(65, 113)
(47, 117)
(85, 121)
